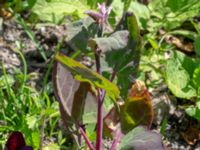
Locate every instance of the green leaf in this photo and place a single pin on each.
(114, 42)
(10, 80)
(196, 77)
(171, 14)
(31, 121)
(35, 139)
(137, 112)
(138, 109)
(31, 3)
(140, 138)
(197, 45)
(178, 73)
(141, 12)
(188, 63)
(117, 7)
(126, 4)
(193, 112)
(79, 32)
(51, 146)
(57, 9)
(125, 61)
(84, 74)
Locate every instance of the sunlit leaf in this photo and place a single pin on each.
(31, 121)
(178, 73)
(170, 14)
(84, 74)
(193, 112)
(57, 9)
(141, 12)
(196, 77)
(51, 146)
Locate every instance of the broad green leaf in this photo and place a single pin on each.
(31, 3)
(141, 139)
(117, 7)
(84, 74)
(179, 70)
(79, 32)
(188, 63)
(141, 12)
(126, 4)
(197, 45)
(55, 10)
(114, 42)
(125, 61)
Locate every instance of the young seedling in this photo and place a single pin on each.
(80, 89)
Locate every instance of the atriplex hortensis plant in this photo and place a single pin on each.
(80, 89)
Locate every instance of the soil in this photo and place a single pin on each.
(165, 104)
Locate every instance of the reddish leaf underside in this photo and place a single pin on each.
(15, 141)
(71, 94)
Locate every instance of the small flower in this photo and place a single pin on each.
(102, 15)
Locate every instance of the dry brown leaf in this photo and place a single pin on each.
(191, 136)
(182, 45)
(5, 13)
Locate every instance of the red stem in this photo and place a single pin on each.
(99, 131)
(86, 139)
(101, 95)
(116, 140)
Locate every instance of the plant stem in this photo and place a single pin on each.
(100, 119)
(113, 76)
(116, 140)
(86, 139)
(100, 97)
(98, 65)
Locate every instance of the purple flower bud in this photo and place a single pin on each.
(102, 15)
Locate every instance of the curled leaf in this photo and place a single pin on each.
(138, 110)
